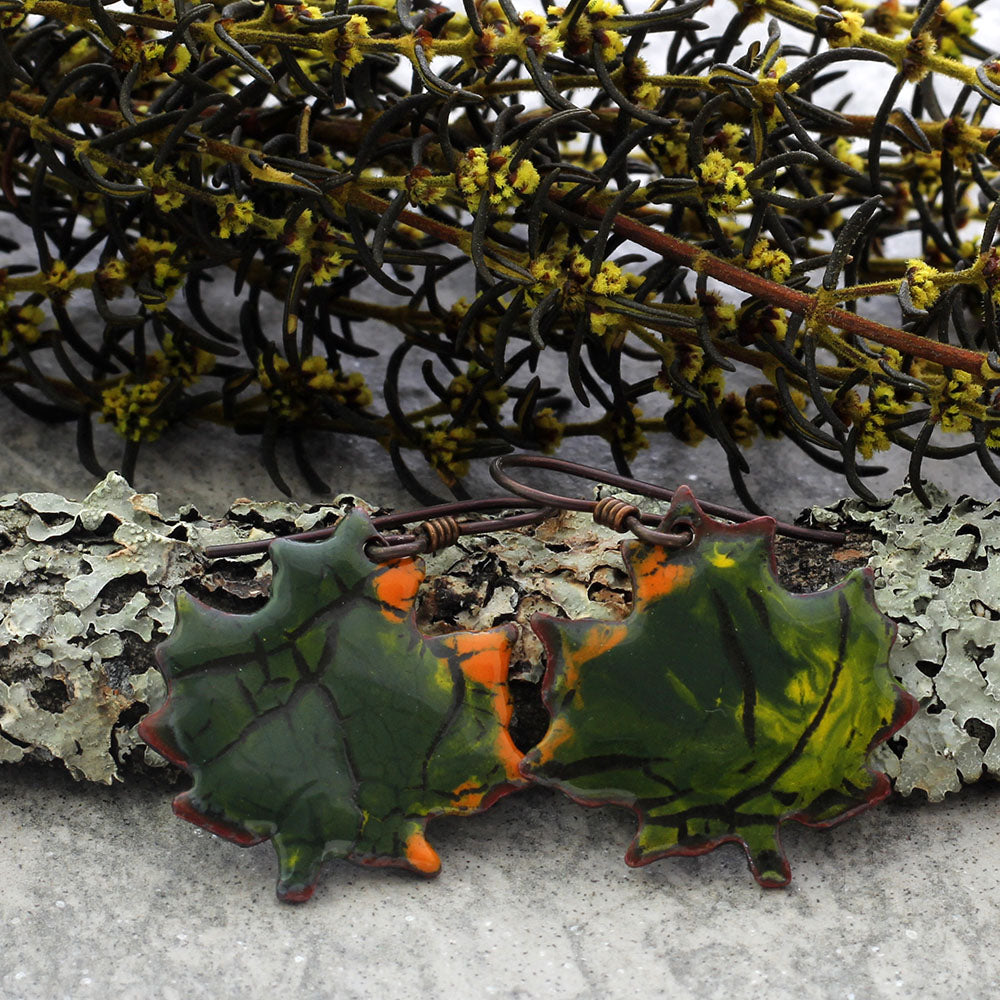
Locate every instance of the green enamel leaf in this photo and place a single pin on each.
(326, 721)
(723, 705)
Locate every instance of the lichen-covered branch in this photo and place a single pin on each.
(86, 593)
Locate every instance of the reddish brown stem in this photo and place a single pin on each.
(789, 298)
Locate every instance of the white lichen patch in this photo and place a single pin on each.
(86, 592)
(937, 574)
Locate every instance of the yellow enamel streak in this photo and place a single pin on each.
(682, 690)
(720, 560)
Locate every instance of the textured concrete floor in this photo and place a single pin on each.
(106, 894)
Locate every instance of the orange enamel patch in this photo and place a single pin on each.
(396, 588)
(483, 656)
(559, 733)
(472, 797)
(655, 579)
(421, 855)
(601, 637)
(509, 755)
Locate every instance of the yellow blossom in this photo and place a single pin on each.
(547, 429)
(446, 449)
(921, 278)
(22, 323)
(766, 259)
(59, 281)
(328, 268)
(346, 46)
(130, 407)
(950, 409)
(480, 170)
(235, 217)
(723, 183)
(847, 31)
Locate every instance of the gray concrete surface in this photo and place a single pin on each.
(106, 894)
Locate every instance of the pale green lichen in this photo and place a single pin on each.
(937, 575)
(86, 592)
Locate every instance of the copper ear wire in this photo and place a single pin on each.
(621, 515)
(439, 526)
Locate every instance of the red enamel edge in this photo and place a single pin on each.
(186, 809)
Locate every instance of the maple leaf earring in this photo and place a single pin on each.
(325, 721)
(723, 705)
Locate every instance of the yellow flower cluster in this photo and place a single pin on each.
(22, 323)
(288, 390)
(737, 420)
(847, 31)
(765, 259)
(326, 267)
(570, 272)
(111, 277)
(472, 384)
(627, 433)
(156, 258)
(11, 18)
(842, 150)
(591, 29)
(479, 170)
(59, 280)
(498, 36)
(764, 407)
(426, 187)
(689, 365)
(235, 216)
(150, 55)
(872, 416)
(913, 64)
(163, 187)
(723, 184)
(872, 436)
(536, 33)
(446, 449)
(547, 430)
(181, 361)
(131, 408)
(345, 46)
(348, 389)
(950, 408)
(669, 150)
(922, 279)
(956, 22)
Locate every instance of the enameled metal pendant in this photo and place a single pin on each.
(326, 722)
(723, 705)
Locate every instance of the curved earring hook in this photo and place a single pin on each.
(630, 519)
(438, 528)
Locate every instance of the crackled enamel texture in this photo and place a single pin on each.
(326, 721)
(723, 705)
